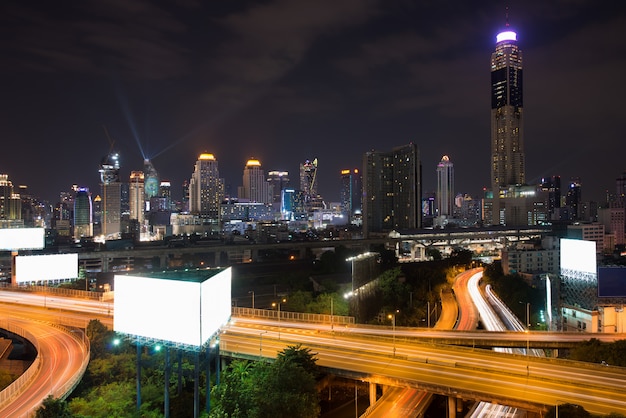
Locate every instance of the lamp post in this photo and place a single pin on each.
(277, 304)
(252, 292)
(393, 330)
(331, 312)
(261, 343)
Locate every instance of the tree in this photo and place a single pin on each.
(299, 356)
(53, 408)
(100, 338)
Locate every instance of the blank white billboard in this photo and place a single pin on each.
(578, 255)
(173, 309)
(34, 268)
(13, 239)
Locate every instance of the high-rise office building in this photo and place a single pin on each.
(111, 195)
(507, 125)
(507, 116)
(351, 193)
(573, 198)
(255, 186)
(392, 190)
(553, 186)
(278, 180)
(445, 188)
(137, 196)
(206, 189)
(151, 180)
(83, 214)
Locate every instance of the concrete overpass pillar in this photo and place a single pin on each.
(451, 407)
(217, 258)
(163, 261)
(372, 393)
(254, 254)
(105, 263)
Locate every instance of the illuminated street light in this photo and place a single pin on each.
(274, 304)
(393, 332)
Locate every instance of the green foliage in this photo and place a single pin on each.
(434, 253)
(111, 400)
(300, 356)
(53, 408)
(596, 351)
(568, 410)
(285, 388)
(100, 338)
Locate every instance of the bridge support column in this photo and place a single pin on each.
(451, 407)
(254, 254)
(372, 393)
(217, 258)
(163, 261)
(105, 263)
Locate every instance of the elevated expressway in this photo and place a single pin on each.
(420, 362)
(62, 357)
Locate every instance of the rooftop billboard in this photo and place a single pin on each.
(612, 282)
(175, 307)
(578, 255)
(34, 268)
(13, 239)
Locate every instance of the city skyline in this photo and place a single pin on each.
(290, 81)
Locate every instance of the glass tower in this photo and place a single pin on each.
(507, 116)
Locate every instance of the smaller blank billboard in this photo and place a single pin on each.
(175, 307)
(13, 239)
(578, 255)
(34, 268)
(612, 282)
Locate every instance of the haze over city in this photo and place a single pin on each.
(286, 81)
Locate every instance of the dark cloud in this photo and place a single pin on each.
(289, 80)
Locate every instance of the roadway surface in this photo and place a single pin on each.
(63, 361)
(367, 352)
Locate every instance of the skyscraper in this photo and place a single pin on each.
(206, 189)
(111, 193)
(392, 190)
(445, 187)
(507, 116)
(351, 193)
(255, 187)
(83, 214)
(137, 197)
(278, 180)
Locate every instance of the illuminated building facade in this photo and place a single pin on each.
(83, 214)
(137, 196)
(206, 189)
(507, 119)
(10, 202)
(111, 195)
(392, 190)
(278, 180)
(351, 193)
(255, 187)
(445, 187)
(151, 180)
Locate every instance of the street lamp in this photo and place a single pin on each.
(261, 343)
(275, 304)
(393, 332)
(252, 291)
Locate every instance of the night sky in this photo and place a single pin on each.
(289, 80)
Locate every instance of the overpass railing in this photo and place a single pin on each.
(58, 291)
(21, 383)
(293, 316)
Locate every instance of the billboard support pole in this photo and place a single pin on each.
(138, 375)
(166, 394)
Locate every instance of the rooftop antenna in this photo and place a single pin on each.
(506, 16)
